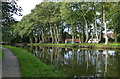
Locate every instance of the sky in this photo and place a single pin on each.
(27, 6)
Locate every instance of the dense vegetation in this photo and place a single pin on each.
(8, 9)
(53, 22)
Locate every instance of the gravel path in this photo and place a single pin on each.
(10, 66)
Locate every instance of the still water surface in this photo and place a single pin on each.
(79, 62)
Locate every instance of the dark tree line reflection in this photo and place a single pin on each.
(80, 62)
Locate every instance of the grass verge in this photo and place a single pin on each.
(30, 66)
(84, 45)
(1, 54)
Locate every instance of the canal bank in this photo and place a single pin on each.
(81, 45)
(30, 66)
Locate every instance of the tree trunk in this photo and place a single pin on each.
(96, 28)
(57, 34)
(86, 26)
(100, 34)
(36, 39)
(115, 36)
(97, 35)
(80, 35)
(106, 37)
(87, 36)
(83, 35)
(79, 39)
(52, 34)
(39, 38)
(93, 33)
(43, 35)
(101, 24)
(31, 40)
(105, 26)
(73, 36)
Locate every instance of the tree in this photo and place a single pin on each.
(26, 27)
(106, 17)
(69, 15)
(8, 10)
(114, 22)
(49, 21)
(48, 15)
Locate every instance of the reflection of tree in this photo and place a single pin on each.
(91, 55)
(80, 62)
(36, 50)
(106, 62)
(87, 59)
(31, 48)
(113, 65)
(97, 68)
(57, 54)
(43, 53)
(51, 54)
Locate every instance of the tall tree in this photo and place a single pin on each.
(8, 10)
(70, 16)
(25, 27)
(114, 22)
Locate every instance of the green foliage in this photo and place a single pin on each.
(49, 20)
(25, 26)
(115, 23)
(8, 9)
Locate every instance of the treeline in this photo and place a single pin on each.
(53, 22)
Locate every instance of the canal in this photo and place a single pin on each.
(77, 62)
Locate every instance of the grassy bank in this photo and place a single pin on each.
(82, 45)
(30, 66)
(1, 54)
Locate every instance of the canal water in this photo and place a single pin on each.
(77, 62)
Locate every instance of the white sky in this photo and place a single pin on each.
(27, 6)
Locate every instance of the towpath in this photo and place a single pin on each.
(10, 65)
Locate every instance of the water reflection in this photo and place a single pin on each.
(80, 62)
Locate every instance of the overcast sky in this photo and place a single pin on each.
(27, 6)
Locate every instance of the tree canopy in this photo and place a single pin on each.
(8, 10)
(53, 22)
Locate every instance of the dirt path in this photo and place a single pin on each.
(10, 66)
